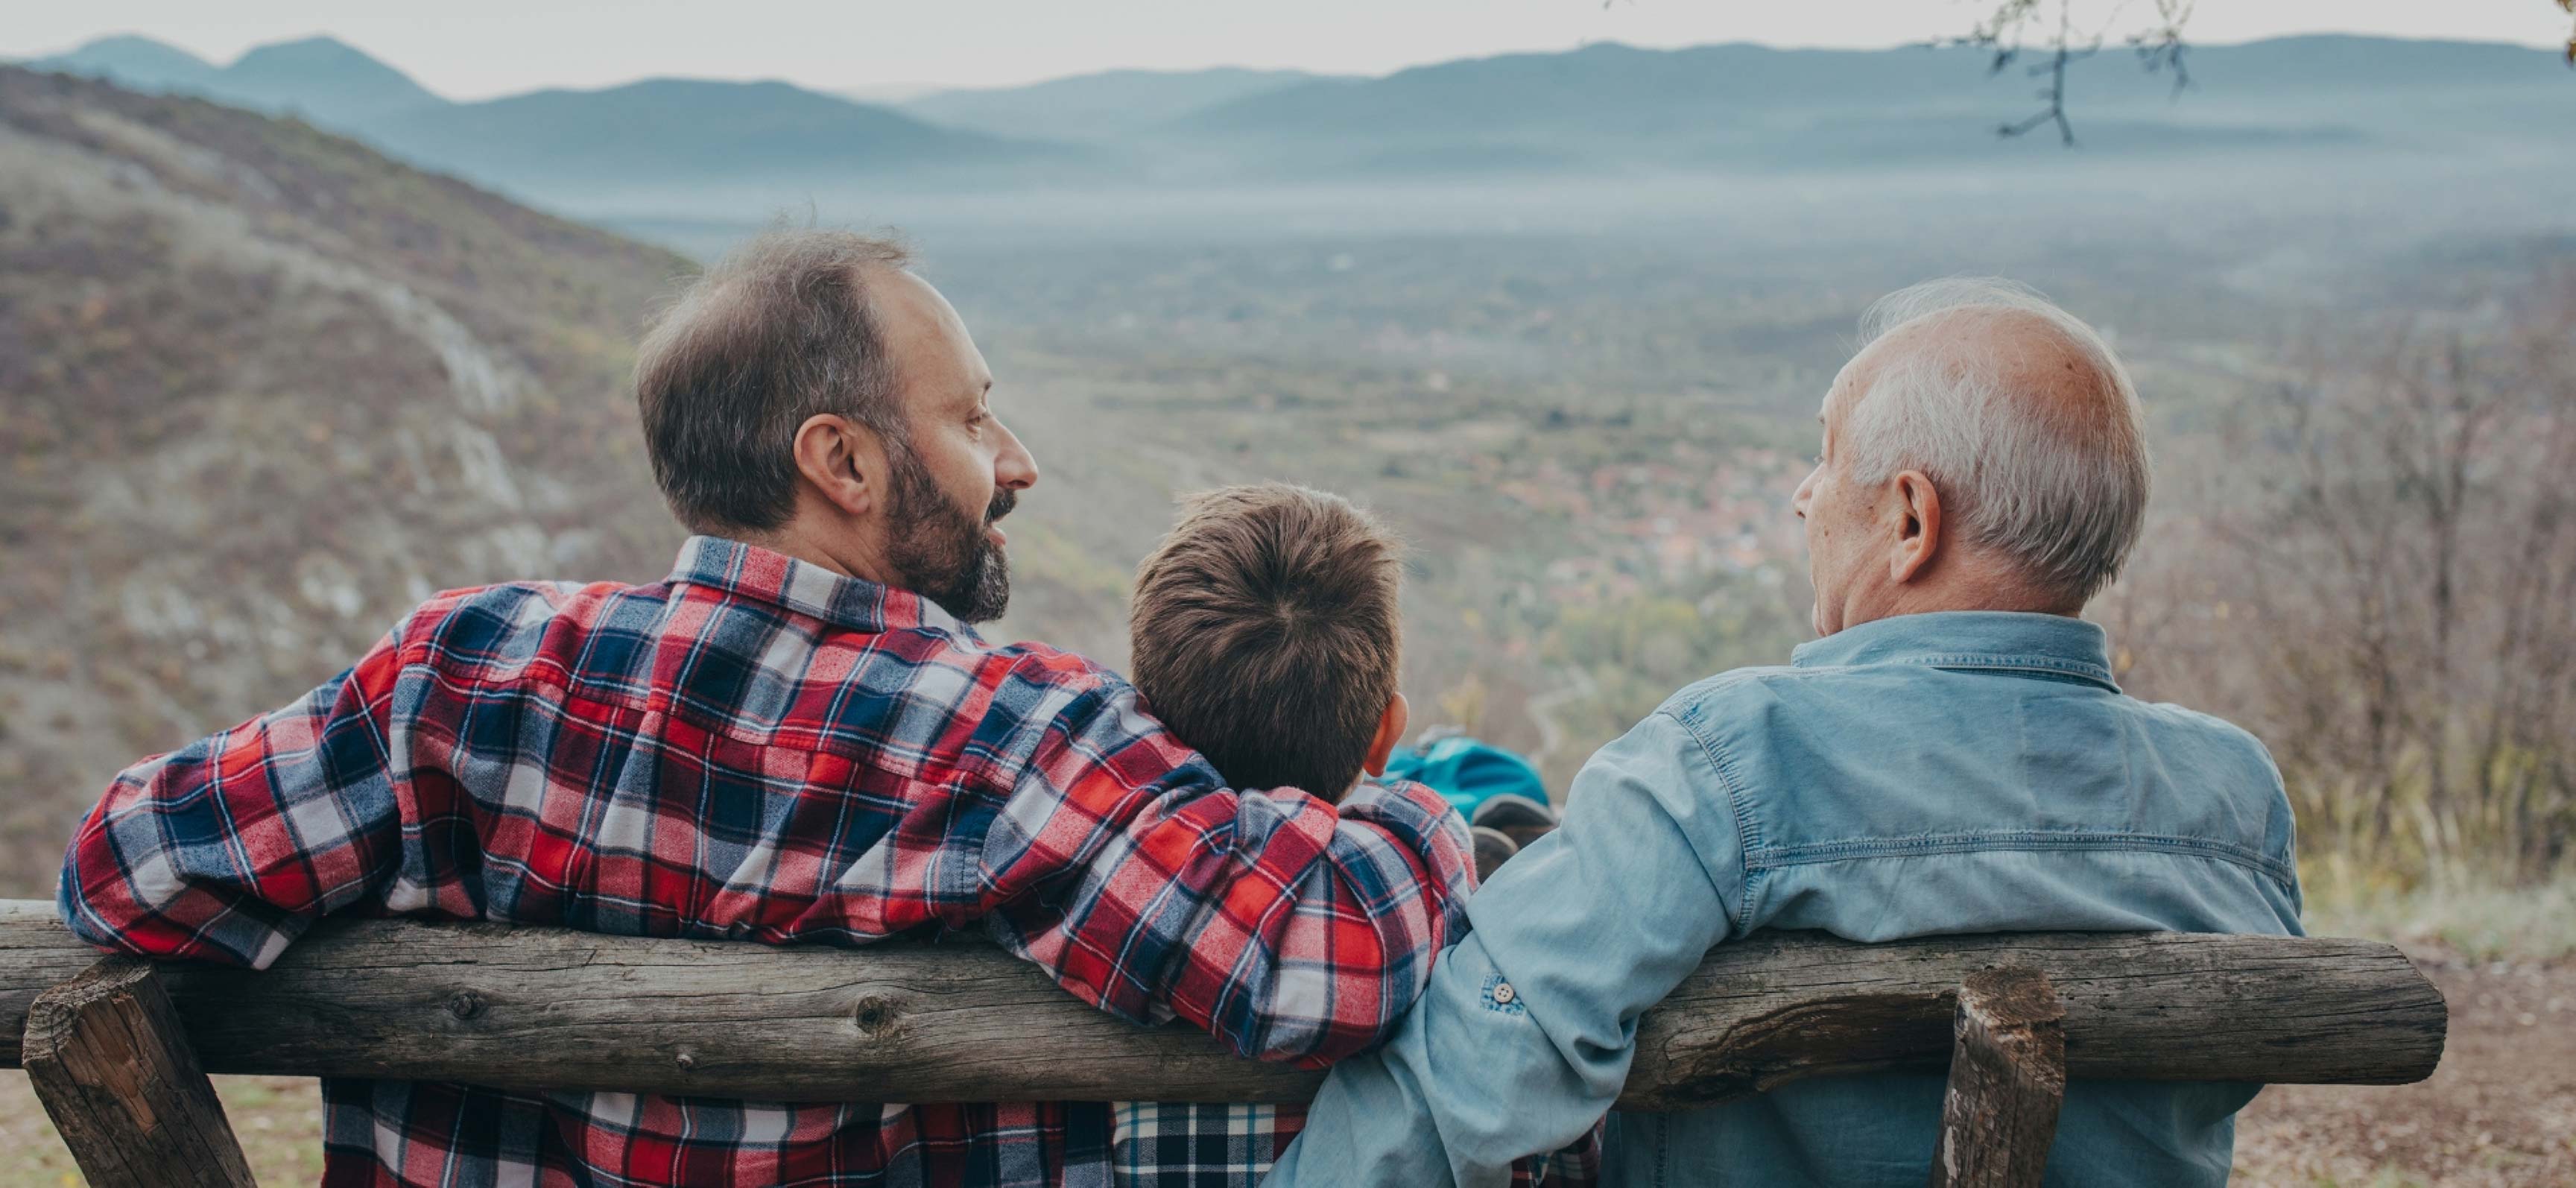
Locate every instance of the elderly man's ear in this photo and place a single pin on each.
(1390, 730)
(1917, 512)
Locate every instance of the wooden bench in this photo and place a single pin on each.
(119, 1049)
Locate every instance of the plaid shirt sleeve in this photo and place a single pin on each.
(225, 850)
(1290, 929)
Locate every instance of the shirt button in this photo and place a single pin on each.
(1504, 994)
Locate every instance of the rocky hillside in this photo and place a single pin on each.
(260, 390)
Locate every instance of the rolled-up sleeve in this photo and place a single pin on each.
(1524, 1036)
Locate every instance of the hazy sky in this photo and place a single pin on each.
(470, 49)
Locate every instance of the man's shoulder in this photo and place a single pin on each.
(473, 620)
(1736, 693)
(1021, 693)
(1044, 663)
(1026, 678)
(1770, 686)
(513, 619)
(2218, 735)
(2183, 717)
(1846, 718)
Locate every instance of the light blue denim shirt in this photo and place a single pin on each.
(1959, 772)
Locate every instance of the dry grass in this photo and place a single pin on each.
(279, 1120)
(2478, 924)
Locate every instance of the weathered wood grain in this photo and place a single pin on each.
(2007, 1080)
(36, 955)
(546, 1008)
(108, 1058)
(2147, 1006)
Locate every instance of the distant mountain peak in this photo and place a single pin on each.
(138, 43)
(316, 53)
(318, 47)
(324, 77)
(131, 59)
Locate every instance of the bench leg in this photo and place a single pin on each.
(2007, 1078)
(108, 1059)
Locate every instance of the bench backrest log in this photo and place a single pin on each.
(2012, 1016)
(533, 1008)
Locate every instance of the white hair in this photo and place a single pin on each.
(2055, 481)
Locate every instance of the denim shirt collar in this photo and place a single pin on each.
(2001, 641)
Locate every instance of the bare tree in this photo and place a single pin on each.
(2042, 39)
(2061, 43)
(2386, 596)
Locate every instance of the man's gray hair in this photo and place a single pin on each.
(2050, 471)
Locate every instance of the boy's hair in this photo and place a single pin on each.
(1265, 634)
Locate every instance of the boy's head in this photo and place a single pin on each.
(1265, 634)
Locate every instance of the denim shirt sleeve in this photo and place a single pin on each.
(1523, 1039)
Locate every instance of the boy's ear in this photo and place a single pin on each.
(1390, 730)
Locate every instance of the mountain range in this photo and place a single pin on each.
(321, 79)
(680, 131)
(1746, 107)
(1602, 109)
(663, 131)
(1090, 108)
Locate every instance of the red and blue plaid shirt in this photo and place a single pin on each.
(1184, 1145)
(760, 748)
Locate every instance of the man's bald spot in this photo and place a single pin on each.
(2026, 355)
(926, 340)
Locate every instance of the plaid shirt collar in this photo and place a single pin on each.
(801, 587)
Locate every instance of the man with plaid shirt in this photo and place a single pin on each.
(795, 737)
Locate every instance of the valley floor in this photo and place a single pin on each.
(2501, 1112)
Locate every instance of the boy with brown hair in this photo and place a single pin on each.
(1265, 633)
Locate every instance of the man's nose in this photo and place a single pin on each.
(1014, 467)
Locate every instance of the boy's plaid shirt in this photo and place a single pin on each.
(1181, 1145)
(759, 748)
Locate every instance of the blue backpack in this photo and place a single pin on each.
(1467, 772)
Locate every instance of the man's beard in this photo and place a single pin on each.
(940, 551)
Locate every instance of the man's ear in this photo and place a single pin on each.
(843, 461)
(1390, 730)
(1918, 538)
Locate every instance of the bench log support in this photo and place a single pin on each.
(2007, 1078)
(109, 1060)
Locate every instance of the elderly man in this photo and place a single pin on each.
(795, 737)
(1952, 756)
